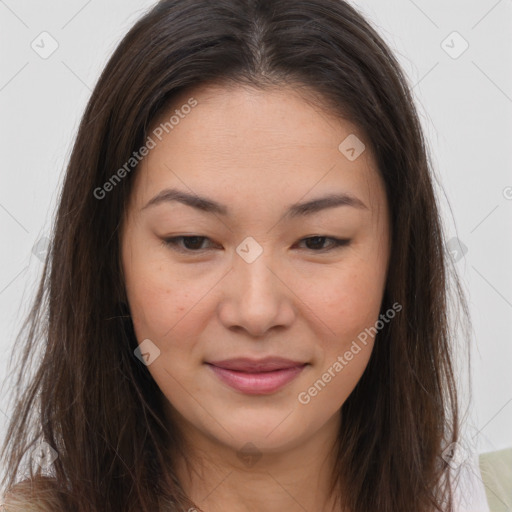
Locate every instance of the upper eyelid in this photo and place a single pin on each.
(336, 242)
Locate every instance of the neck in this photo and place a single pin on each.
(217, 478)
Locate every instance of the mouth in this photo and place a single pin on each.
(257, 377)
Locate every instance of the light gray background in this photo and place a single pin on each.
(465, 105)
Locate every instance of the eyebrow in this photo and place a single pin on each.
(295, 210)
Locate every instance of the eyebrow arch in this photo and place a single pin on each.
(295, 210)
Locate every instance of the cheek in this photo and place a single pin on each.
(162, 300)
(162, 306)
(349, 305)
(346, 299)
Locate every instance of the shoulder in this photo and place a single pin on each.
(37, 495)
(496, 471)
(484, 482)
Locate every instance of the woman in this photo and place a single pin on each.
(244, 305)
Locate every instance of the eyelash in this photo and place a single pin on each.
(173, 242)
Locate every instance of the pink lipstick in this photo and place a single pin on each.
(257, 377)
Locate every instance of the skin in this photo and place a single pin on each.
(256, 152)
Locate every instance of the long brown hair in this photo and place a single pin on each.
(92, 400)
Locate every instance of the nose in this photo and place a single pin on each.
(256, 298)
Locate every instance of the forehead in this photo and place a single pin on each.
(251, 119)
(264, 144)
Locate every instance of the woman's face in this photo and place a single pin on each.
(264, 277)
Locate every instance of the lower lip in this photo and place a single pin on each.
(257, 383)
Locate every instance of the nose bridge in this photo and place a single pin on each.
(253, 275)
(257, 299)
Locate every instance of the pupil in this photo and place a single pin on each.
(317, 239)
(191, 239)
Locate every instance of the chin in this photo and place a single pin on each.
(267, 431)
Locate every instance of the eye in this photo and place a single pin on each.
(318, 241)
(194, 243)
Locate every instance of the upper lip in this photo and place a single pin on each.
(246, 364)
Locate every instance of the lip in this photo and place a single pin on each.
(247, 364)
(257, 377)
